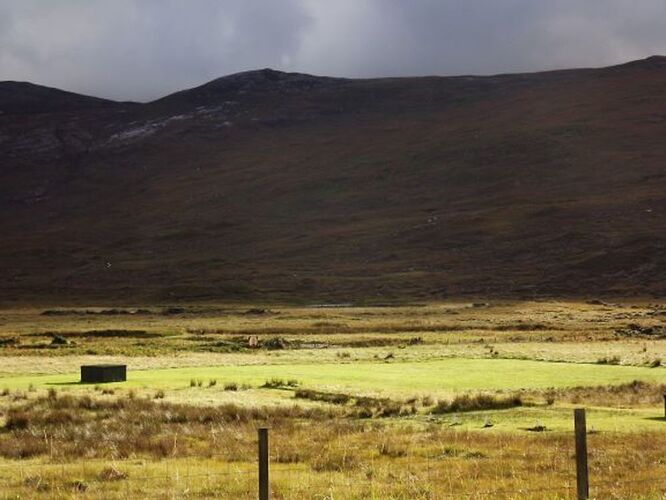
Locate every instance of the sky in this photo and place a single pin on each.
(144, 49)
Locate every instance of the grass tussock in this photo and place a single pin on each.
(325, 397)
(391, 448)
(279, 383)
(335, 459)
(609, 360)
(112, 473)
(635, 393)
(477, 402)
(363, 406)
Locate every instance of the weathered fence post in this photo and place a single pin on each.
(582, 477)
(263, 464)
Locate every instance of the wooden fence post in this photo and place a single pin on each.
(263, 464)
(582, 473)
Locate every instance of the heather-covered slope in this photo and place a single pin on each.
(288, 186)
(27, 98)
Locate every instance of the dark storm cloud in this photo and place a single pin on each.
(398, 37)
(143, 48)
(140, 49)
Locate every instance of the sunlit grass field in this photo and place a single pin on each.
(361, 401)
(430, 377)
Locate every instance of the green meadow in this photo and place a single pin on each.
(442, 377)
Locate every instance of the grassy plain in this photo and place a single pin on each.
(358, 398)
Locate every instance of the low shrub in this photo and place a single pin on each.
(112, 474)
(613, 360)
(391, 450)
(335, 460)
(79, 485)
(275, 343)
(37, 482)
(278, 383)
(19, 395)
(364, 413)
(17, 420)
(288, 456)
(391, 409)
(62, 417)
(25, 446)
(477, 402)
(326, 397)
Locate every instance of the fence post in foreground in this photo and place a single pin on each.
(263, 464)
(582, 477)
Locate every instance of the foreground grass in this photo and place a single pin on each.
(137, 448)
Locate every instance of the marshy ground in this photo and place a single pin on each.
(418, 401)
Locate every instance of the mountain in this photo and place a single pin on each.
(27, 98)
(283, 186)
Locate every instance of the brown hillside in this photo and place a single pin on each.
(287, 186)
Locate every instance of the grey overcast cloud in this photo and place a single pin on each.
(143, 49)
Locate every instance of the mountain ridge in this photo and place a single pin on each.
(295, 187)
(18, 97)
(269, 74)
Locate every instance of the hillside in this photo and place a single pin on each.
(27, 98)
(280, 186)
